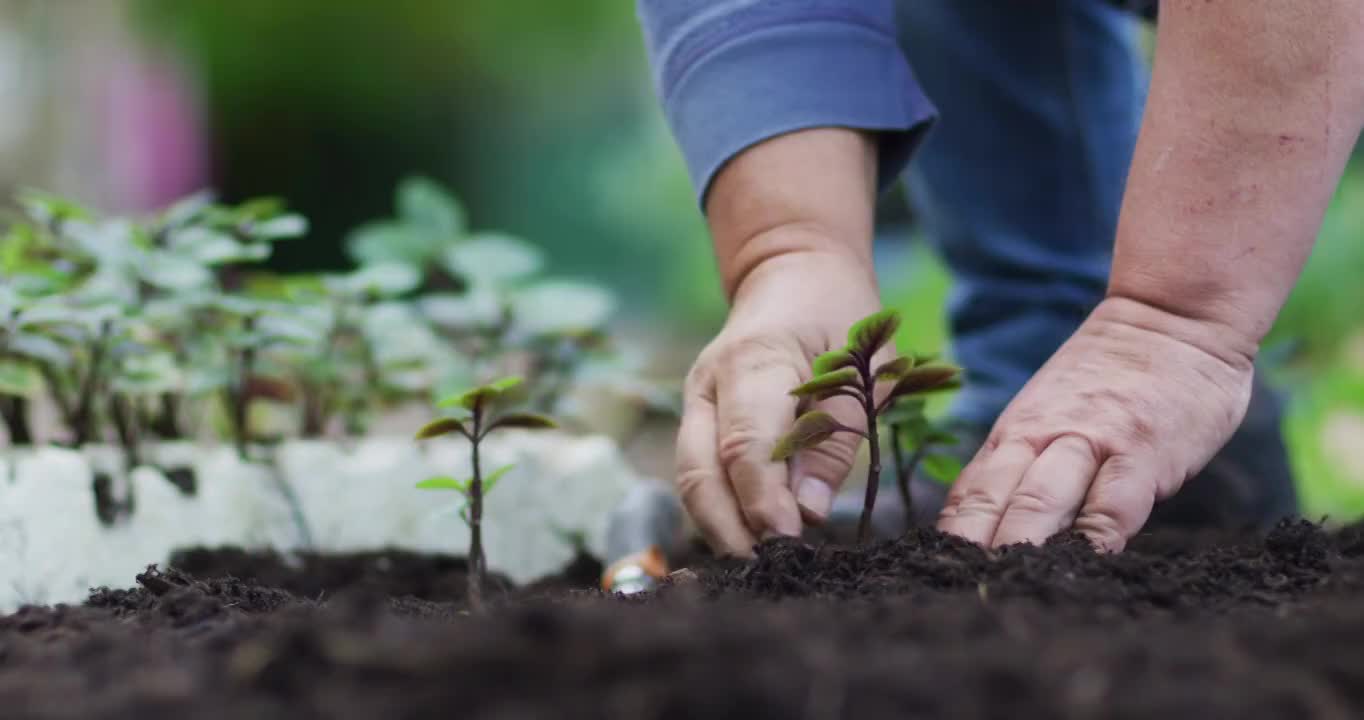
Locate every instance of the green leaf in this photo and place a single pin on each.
(187, 209)
(426, 204)
(560, 307)
(388, 241)
(502, 385)
(494, 258)
(212, 247)
(953, 384)
(40, 348)
(943, 468)
(832, 360)
(283, 329)
(17, 378)
(490, 482)
(444, 483)
(150, 371)
(173, 272)
(484, 394)
(478, 308)
(442, 426)
(47, 314)
(924, 378)
(827, 382)
(47, 208)
(254, 210)
(940, 437)
(231, 304)
(872, 332)
(385, 279)
(279, 228)
(809, 430)
(904, 410)
(525, 421)
(894, 369)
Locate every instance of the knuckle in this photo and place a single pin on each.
(976, 501)
(698, 377)
(742, 444)
(1033, 500)
(835, 453)
(689, 482)
(1079, 445)
(763, 513)
(1104, 526)
(751, 353)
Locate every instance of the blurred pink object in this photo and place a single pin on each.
(156, 143)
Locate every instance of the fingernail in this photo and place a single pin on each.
(815, 496)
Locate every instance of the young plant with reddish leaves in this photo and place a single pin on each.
(850, 371)
(481, 412)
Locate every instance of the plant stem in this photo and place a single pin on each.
(241, 399)
(314, 418)
(57, 391)
(15, 412)
(286, 491)
(476, 564)
(874, 466)
(84, 417)
(125, 424)
(902, 476)
(167, 422)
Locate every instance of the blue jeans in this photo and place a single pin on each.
(1020, 181)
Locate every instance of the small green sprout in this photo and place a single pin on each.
(848, 372)
(480, 414)
(912, 432)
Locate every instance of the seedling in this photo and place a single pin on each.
(912, 432)
(849, 372)
(481, 415)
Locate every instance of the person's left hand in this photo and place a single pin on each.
(1131, 406)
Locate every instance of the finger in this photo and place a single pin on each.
(1050, 494)
(754, 409)
(1119, 502)
(817, 473)
(701, 482)
(980, 494)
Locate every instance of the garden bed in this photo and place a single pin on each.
(1179, 626)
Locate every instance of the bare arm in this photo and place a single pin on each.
(792, 222)
(1255, 106)
(809, 191)
(1253, 110)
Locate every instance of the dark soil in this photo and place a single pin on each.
(926, 626)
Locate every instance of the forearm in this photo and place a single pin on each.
(1254, 108)
(807, 191)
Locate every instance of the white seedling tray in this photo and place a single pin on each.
(53, 548)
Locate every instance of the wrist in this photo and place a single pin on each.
(796, 244)
(1222, 341)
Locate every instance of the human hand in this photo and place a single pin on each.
(789, 309)
(1134, 404)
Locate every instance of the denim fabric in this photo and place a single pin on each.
(1021, 181)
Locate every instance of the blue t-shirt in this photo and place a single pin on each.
(731, 73)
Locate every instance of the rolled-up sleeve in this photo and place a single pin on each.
(731, 73)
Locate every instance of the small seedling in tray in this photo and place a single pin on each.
(481, 414)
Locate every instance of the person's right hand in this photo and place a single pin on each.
(786, 311)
